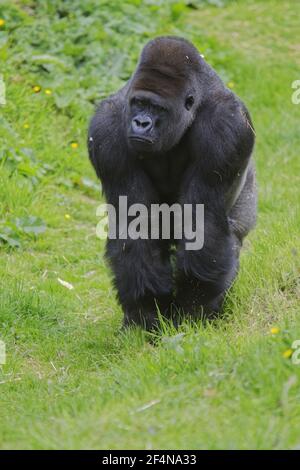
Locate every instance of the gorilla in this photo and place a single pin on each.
(176, 134)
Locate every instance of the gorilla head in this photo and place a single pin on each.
(163, 95)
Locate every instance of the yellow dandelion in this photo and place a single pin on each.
(67, 216)
(287, 353)
(275, 330)
(48, 91)
(74, 145)
(230, 85)
(26, 125)
(36, 88)
(2, 22)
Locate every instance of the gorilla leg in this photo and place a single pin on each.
(143, 280)
(202, 286)
(202, 296)
(242, 216)
(206, 274)
(141, 267)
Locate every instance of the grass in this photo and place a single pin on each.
(72, 379)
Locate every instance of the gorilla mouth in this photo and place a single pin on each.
(142, 140)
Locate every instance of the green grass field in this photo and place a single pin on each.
(72, 379)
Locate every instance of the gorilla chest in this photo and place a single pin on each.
(165, 173)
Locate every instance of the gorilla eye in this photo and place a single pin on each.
(136, 102)
(189, 102)
(139, 103)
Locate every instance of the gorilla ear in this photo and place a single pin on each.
(189, 102)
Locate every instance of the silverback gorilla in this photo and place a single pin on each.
(175, 134)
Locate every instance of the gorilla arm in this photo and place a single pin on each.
(141, 269)
(220, 143)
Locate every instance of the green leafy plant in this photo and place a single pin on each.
(12, 232)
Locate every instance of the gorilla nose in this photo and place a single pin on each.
(141, 124)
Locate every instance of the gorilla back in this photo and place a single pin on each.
(175, 134)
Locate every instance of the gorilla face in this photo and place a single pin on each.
(156, 124)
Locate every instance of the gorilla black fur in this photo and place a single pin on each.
(175, 133)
